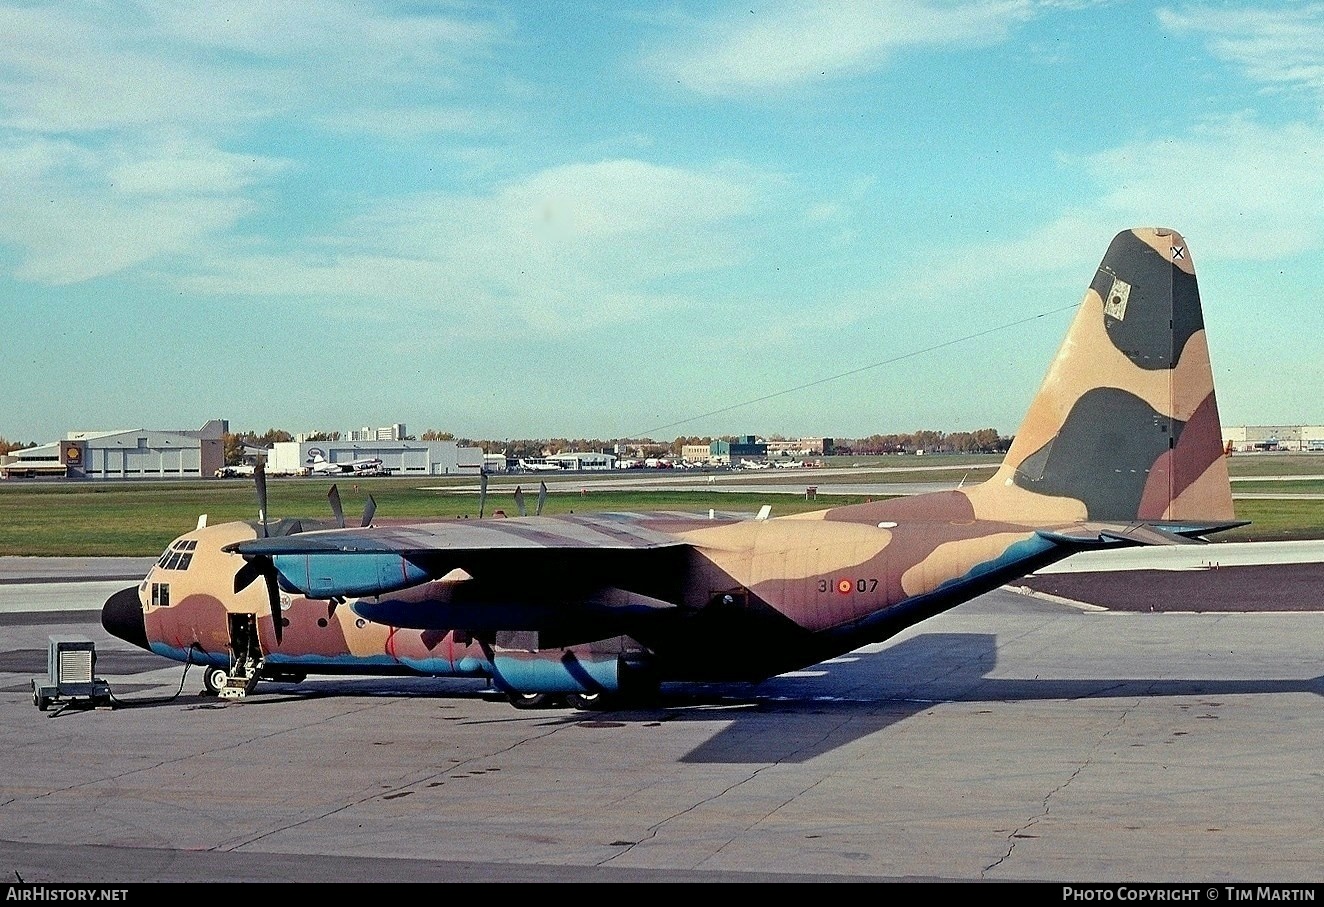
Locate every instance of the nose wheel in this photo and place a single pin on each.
(214, 680)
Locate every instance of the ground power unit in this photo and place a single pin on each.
(70, 675)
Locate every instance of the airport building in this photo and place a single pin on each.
(394, 432)
(580, 460)
(801, 447)
(124, 454)
(399, 457)
(696, 453)
(733, 453)
(1250, 438)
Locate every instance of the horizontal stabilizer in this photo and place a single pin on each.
(1102, 535)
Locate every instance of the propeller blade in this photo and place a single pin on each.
(244, 577)
(263, 567)
(273, 599)
(334, 497)
(482, 494)
(542, 497)
(260, 480)
(519, 501)
(369, 510)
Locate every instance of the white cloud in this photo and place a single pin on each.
(1236, 189)
(783, 44)
(77, 213)
(565, 249)
(1282, 46)
(122, 127)
(148, 64)
(1248, 191)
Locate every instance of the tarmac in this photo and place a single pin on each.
(1156, 725)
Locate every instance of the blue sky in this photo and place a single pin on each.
(609, 219)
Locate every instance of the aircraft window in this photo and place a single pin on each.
(185, 559)
(172, 563)
(160, 562)
(189, 545)
(161, 595)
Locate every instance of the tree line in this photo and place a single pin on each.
(8, 446)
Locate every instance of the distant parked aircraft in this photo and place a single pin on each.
(318, 465)
(538, 464)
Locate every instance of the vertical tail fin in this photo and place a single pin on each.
(1125, 425)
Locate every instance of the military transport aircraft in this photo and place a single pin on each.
(1121, 446)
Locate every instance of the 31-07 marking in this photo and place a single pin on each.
(847, 586)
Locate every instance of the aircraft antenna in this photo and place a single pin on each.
(855, 371)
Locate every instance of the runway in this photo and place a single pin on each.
(1017, 737)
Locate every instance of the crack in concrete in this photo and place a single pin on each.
(1023, 829)
(653, 830)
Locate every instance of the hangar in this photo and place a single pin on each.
(124, 454)
(583, 460)
(399, 457)
(1274, 437)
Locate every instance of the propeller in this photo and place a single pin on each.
(262, 567)
(482, 494)
(369, 509)
(334, 497)
(260, 480)
(519, 502)
(542, 497)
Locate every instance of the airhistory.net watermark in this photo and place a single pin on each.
(64, 893)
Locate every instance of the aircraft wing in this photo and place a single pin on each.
(375, 560)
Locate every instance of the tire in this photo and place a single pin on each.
(590, 702)
(213, 680)
(40, 701)
(529, 700)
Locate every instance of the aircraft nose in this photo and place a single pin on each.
(122, 616)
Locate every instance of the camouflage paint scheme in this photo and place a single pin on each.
(1121, 446)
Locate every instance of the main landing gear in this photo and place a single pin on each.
(584, 702)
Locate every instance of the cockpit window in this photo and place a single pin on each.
(178, 555)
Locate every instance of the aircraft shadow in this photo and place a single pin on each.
(799, 716)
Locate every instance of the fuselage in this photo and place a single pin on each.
(746, 599)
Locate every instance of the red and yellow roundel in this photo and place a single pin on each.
(844, 586)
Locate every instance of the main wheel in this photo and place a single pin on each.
(529, 700)
(213, 680)
(590, 702)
